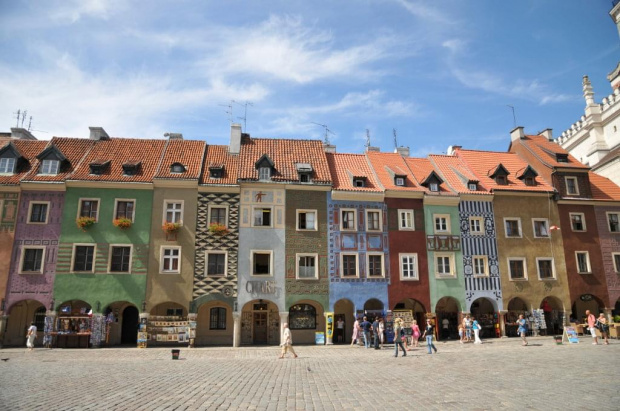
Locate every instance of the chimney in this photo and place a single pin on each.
(517, 134)
(403, 151)
(371, 148)
(329, 148)
(547, 133)
(174, 136)
(235, 138)
(98, 133)
(452, 150)
(22, 134)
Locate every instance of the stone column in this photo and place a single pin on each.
(3, 320)
(49, 327)
(283, 319)
(502, 322)
(236, 329)
(608, 315)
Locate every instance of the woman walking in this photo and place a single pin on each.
(398, 337)
(603, 327)
(476, 327)
(522, 330)
(381, 331)
(428, 333)
(415, 333)
(32, 335)
(356, 332)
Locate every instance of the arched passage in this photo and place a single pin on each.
(516, 307)
(587, 302)
(344, 313)
(484, 311)
(448, 309)
(260, 323)
(74, 324)
(214, 324)
(417, 309)
(21, 314)
(553, 311)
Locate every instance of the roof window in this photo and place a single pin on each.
(177, 168)
(131, 168)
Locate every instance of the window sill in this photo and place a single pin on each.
(307, 279)
(409, 279)
(261, 275)
(585, 273)
(31, 223)
(518, 279)
(348, 277)
(170, 272)
(481, 276)
(30, 272)
(547, 279)
(445, 276)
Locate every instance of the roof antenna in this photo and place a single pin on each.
(30, 124)
(229, 111)
(327, 132)
(367, 138)
(17, 115)
(395, 141)
(24, 117)
(245, 112)
(514, 118)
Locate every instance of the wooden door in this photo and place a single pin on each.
(260, 328)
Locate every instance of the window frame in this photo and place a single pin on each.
(81, 200)
(448, 227)
(452, 262)
(588, 266)
(617, 214)
(261, 173)
(576, 181)
(305, 211)
(56, 168)
(162, 257)
(525, 274)
(553, 274)
(399, 181)
(316, 266)
(415, 268)
(219, 207)
(485, 260)
(546, 221)
(583, 222)
(216, 252)
(481, 221)
(354, 211)
(357, 265)
(219, 319)
(47, 212)
(616, 264)
(23, 255)
(375, 254)
(181, 212)
(125, 200)
(378, 211)
(472, 187)
(402, 211)
(292, 317)
(271, 215)
(518, 220)
(110, 252)
(74, 254)
(270, 253)
(12, 168)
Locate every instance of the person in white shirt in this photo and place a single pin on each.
(287, 341)
(32, 334)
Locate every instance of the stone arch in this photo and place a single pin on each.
(214, 323)
(344, 310)
(306, 335)
(485, 311)
(21, 314)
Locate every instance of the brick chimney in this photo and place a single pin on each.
(174, 136)
(329, 148)
(371, 148)
(547, 133)
(22, 134)
(235, 138)
(403, 151)
(517, 134)
(98, 133)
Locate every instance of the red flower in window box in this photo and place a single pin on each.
(170, 228)
(84, 222)
(218, 229)
(122, 223)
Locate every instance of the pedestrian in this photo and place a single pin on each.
(398, 337)
(356, 332)
(445, 326)
(415, 333)
(467, 325)
(340, 330)
(428, 333)
(475, 325)
(461, 333)
(591, 326)
(381, 331)
(366, 327)
(522, 330)
(603, 327)
(375, 329)
(31, 336)
(287, 341)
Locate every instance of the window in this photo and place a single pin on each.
(50, 166)
(614, 222)
(218, 215)
(529, 181)
(442, 223)
(348, 263)
(405, 220)
(89, 208)
(262, 217)
(304, 177)
(38, 212)
(215, 172)
(120, 259)
(541, 228)
(501, 180)
(408, 266)
(170, 260)
(480, 263)
(517, 269)
(583, 262)
(359, 182)
(571, 185)
(177, 168)
(264, 173)
(7, 165)
(348, 221)
(217, 318)
(513, 227)
(434, 186)
(124, 209)
(476, 225)
(307, 266)
(399, 181)
(374, 262)
(561, 157)
(373, 220)
(306, 220)
(173, 211)
(83, 257)
(616, 257)
(577, 222)
(472, 186)
(32, 260)
(302, 317)
(546, 269)
(216, 263)
(444, 264)
(261, 262)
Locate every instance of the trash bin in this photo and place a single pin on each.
(175, 354)
(558, 339)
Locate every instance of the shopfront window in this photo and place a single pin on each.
(217, 318)
(302, 317)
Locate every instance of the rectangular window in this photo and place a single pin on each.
(348, 262)
(89, 208)
(7, 165)
(262, 217)
(616, 257)
(38, 212)
(577, 222)
(480, 266)
(218, 215)
(405, 220)
(583, 262)
(513, 227)
(216, 263)
(217, 318)
(546, 270)
(541, 227)
(120, 258)
(261, 263)
(50, 166)
(374, 262)
(442, 223)
(613, 219)
(32, 260)
(516, 267)
(476, 225)
(408, 266)
(264, 173)
(173, 211)
(125, 209)
(444, 264)
(348, 221)
(307, 267)
(170, 260)
(434, 186)
(83, 258)
(373, 220)
(400, 181)
(306, 220)
(571, 185)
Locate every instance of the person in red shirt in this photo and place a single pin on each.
(591, 326)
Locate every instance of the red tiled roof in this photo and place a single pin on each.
(422, 169)
(456, 174)
(29, 149)
(74, 149)
(284, 153)
(546, 151)
(344, 167)
(480, 162)
(603, 188)
(189, 153)
(219, 155)
(388, 165)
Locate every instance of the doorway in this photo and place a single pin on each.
(260, 328)
(129, 331)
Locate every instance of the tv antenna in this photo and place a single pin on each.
(327, 131)
(245, 112)
(367, 138)
(395, 141)
(229, 111)
(514, 118)
(21, 117)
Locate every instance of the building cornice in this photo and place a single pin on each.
(356, 196)
(441, 200)
(404, 194)
(477, 197)
(109, 185)
(307, 187)
(589, 201)
(218, 189)
(40, 186)
(523, 193)
(10, 189)
(172, 183)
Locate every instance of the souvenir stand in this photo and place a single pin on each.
(73, 328)
(538, 320)
(405, 315)
(490, 325)
(167, 329)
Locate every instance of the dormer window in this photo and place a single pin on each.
(50, 166)
(501, 180)
(304, 178)
(264, 173)
(500, 175)
(216, 172)
(9, 158)
(359, 182)
(561, 157)
(472, 186)
(432, 182)
(399, 181)
(7, 165)
(529, 181)
(98, 167)
(265, 167)
(304, 170)
(433, 187)
(177, 168)
(131, 168)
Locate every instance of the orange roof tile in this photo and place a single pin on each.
(422, 169)
(387, 166)
(344, 167)
(187, 152)
(218, 155)
(29, 149)
(456, 174)
(546, 151)
(603, 188)
(74, 149)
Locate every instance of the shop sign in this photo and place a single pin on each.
(586, 297)
(261, 287)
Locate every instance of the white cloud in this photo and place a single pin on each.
(423, 11)
(455, 45)
(70, 11)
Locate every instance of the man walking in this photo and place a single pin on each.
(287, 341)
(592, 326)
(375, 328)
(366, 328)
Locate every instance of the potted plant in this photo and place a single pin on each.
(170, 228)
(84, 222)
(218, 229)
(122, 223)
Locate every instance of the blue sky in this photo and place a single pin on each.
(439, 72)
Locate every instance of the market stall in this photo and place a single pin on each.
(167, 330)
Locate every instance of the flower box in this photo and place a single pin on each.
(84, 222)
(122, 223)
(170, 228)
(218, 229)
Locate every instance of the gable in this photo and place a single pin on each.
(52, 153)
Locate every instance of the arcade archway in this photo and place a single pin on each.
(344, 311)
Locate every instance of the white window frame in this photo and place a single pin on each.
(399, 181)
(554, 277)
(73, 254)
(546, 221)
(51, 170)
(162, 257)
(472, 187)
(47, 212)
(438, 216)
(211, 207)
(79, 208)
(111, 246)
(525, 276)
(252, 252)
(9, 161)
(607, 214)
(416, 276)
(264, 173)
(181, 212)
(306, 211)
(433, 187)
(588, 266)
(342, 210)
(450, 256)
(375, 254)
(566, 178)
(316, 266)
(519, 224)
(613, 259)
(480, 221)
(271, 214)
(23, 254)
(411, 214)
(485, 260)
(357, 265)
(380, 212)
(133, 213)
(583, 222)
(210, 252)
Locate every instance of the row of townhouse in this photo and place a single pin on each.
(102, 233)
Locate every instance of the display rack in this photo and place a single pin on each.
(167, 330)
